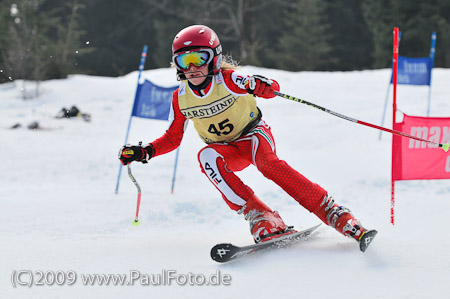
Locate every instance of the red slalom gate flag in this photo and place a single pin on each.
(418, 160)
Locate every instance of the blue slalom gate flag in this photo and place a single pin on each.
(414, 71)
(152, 101)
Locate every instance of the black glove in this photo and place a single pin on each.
(129, 153)
(260, 86)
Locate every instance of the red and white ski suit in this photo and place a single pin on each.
(220, 160)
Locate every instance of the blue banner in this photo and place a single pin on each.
(152, 101)
(414, 71)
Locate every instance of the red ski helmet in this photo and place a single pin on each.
(196, 38)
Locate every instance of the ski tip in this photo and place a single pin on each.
(222, 253)
(366, 239)
(445, 147)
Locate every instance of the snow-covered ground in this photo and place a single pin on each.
(59, 211)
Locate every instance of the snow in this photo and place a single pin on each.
(60, 213)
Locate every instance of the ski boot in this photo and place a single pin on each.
(265, 224)
(343, 221)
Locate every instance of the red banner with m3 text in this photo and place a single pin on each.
(418, 160)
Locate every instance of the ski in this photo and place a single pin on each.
(226, 252)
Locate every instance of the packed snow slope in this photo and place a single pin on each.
(59, 211)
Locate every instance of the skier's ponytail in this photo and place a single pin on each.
(228, 63)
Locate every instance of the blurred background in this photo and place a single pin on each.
(49, 39)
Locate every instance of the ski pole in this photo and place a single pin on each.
(444, 146)
(136, 221)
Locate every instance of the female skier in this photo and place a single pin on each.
(221, 103)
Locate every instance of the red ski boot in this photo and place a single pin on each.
(264, 223)
(340, 218)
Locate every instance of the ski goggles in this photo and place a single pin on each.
(197, 58)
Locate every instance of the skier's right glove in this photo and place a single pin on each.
(129, 153)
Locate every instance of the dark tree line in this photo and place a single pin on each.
(43, 39)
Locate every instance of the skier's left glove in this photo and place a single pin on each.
(129, 153)
(260, 86)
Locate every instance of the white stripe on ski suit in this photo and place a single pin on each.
(209, 156)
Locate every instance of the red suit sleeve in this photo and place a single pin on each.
(235, 81)
(174, 134)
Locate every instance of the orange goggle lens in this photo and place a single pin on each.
(196, 58)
